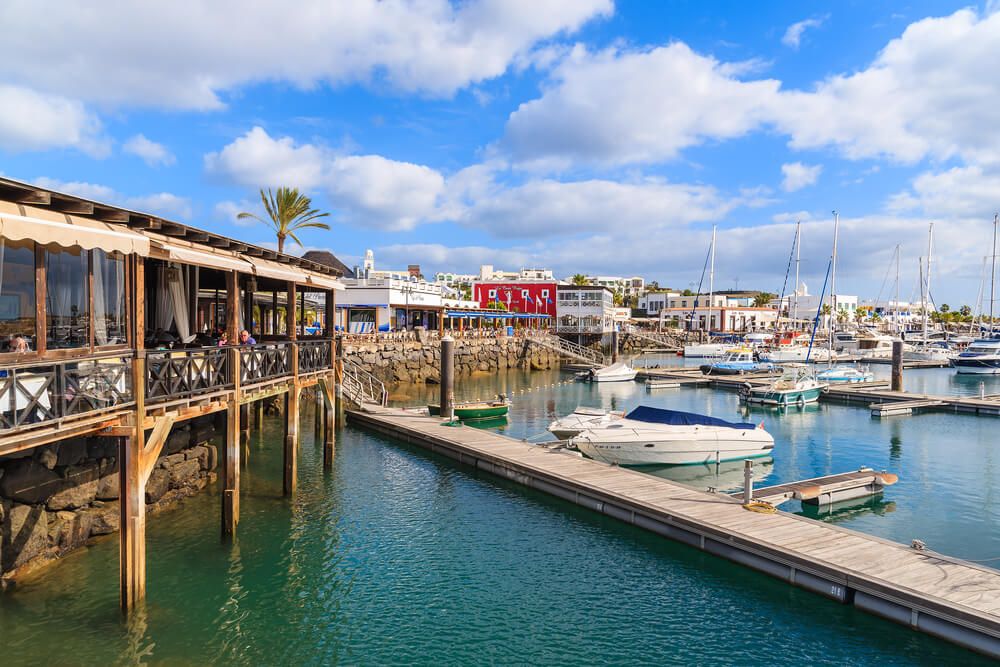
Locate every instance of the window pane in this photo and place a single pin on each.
(66, 299)
(109, 298)
(17, 292)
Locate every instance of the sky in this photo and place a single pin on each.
(586, 136)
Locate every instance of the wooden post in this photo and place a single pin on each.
(231, 453)
(291, 439)
(326, 392)
(232, 315)
(41, 329)
(245, 423)
(447, 376)
(331, 314)
(259, 416)
(318, 414)
(274, 313)
(338, 408)
(291, 321)
(897, 365)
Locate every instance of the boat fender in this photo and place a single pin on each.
(886, 478)
(801, 400)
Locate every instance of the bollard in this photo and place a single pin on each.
(982, 390)
(897, 365)
(747, 481)
(447, 375)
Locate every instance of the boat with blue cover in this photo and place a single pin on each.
(654, 436)
(737, 362)
(982, 357)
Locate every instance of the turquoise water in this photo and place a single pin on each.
(398, 556)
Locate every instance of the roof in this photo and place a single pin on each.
(327, 258)
(60, 202)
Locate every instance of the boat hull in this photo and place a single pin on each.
(697, 446)
(469, 413)
(705, 350)
(785, 396)
(976, 367)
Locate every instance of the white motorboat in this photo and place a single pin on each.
(580, 420)
(700, 350)
(982, 357)
(784, 354)
(877, 347)
(797, 386)
(620, 372)
(845, 374)
(652, 436)
(929, 351)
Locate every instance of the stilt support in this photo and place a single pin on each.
(259, 416)
(136, 460)
(291, 439)
(318, 414)
(231, 472)
(325, 390)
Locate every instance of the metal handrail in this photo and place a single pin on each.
(566, 347)
(361, 386)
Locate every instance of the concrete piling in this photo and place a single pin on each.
(447, 375)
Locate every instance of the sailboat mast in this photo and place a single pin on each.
(798, 246)
(711, 288)
(897, 323)
(930, 251)
(978, 314)
(833, 280)
(993, 275)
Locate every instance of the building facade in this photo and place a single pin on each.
(584, 309)
(518, 296)
(724, 319)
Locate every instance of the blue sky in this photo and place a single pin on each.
(580, 135)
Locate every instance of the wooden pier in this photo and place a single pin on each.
(825, 490)
(949, 598)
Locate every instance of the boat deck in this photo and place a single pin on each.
(946, 597)
(823, 490)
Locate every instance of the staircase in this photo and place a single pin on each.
(361, 387)
(666, 340)
(566, 347)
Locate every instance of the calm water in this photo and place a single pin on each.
(399, 556)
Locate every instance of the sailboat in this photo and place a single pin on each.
(983, 355)
(708, 349)
(924, 349)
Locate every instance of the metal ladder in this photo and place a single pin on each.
(362, 387)
(566, 347)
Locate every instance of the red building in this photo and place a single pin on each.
(522, 296)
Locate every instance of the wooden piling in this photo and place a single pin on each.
(291, 440)
(231, 455)
(325, 389)
(317, 415)
(897, 365)
(447, 376)
(259, 413)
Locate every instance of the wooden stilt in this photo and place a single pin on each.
(231, 472)
(291, 439)
(325, 390)
(245, 421)
(259, 417)
(318, 415)
(136, 459)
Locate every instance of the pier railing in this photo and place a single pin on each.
(315, 355)
(35, 393)
(265, 362)
(185, 373)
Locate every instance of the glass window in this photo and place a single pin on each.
(17, 292)
(66, 299)
(493, 294)
(109, 298)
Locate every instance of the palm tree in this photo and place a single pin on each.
(762, 299)
(288, 211)
(579, 279)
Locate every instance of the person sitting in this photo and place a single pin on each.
(19, 344)
(223, 339)
(246, 338)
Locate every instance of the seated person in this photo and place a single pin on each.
(19, 344)
(246, 338)
(223, 339)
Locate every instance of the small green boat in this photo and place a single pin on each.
(469, 411)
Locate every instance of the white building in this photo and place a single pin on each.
(584, 309)
(388, 304)
(629, 287)
(369, 271)
(720, 319)
(653, 302)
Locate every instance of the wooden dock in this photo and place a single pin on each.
(949, 598)
(883, 402)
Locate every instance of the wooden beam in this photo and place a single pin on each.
(171, 229)
(232, 314)
(219, 242)
(73, 206)
(238, 247)
(231, 455)
(41, 332)
(291, 321)
(141, 222)
(111, 215)
(254, 251)
(196, 236)
(35, 197)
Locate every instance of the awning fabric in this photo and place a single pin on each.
(326, 282)
(268, 269)
(68, 231)
(201, 258)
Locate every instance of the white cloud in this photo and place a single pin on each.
(369, 190)
(931, 92)
(32, 121)
(229, 210)
(622, 107)
(793, 36)
(958, 192)
(163, 203)
(797, 175)
(171, 54)
(256, 160)
(152, 153)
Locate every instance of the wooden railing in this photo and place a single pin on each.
(315, 355)
(265, 362)
(185, 373)
(40, 393)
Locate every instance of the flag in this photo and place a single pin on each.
(548, 301)
(527, 298)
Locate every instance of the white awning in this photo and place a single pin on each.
(326, 282)
(220, 260)
(68, 231)
(269, 269)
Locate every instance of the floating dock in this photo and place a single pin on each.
(825, 490)
(945, 597)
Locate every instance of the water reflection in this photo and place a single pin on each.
(724, 477)
(848, 509)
